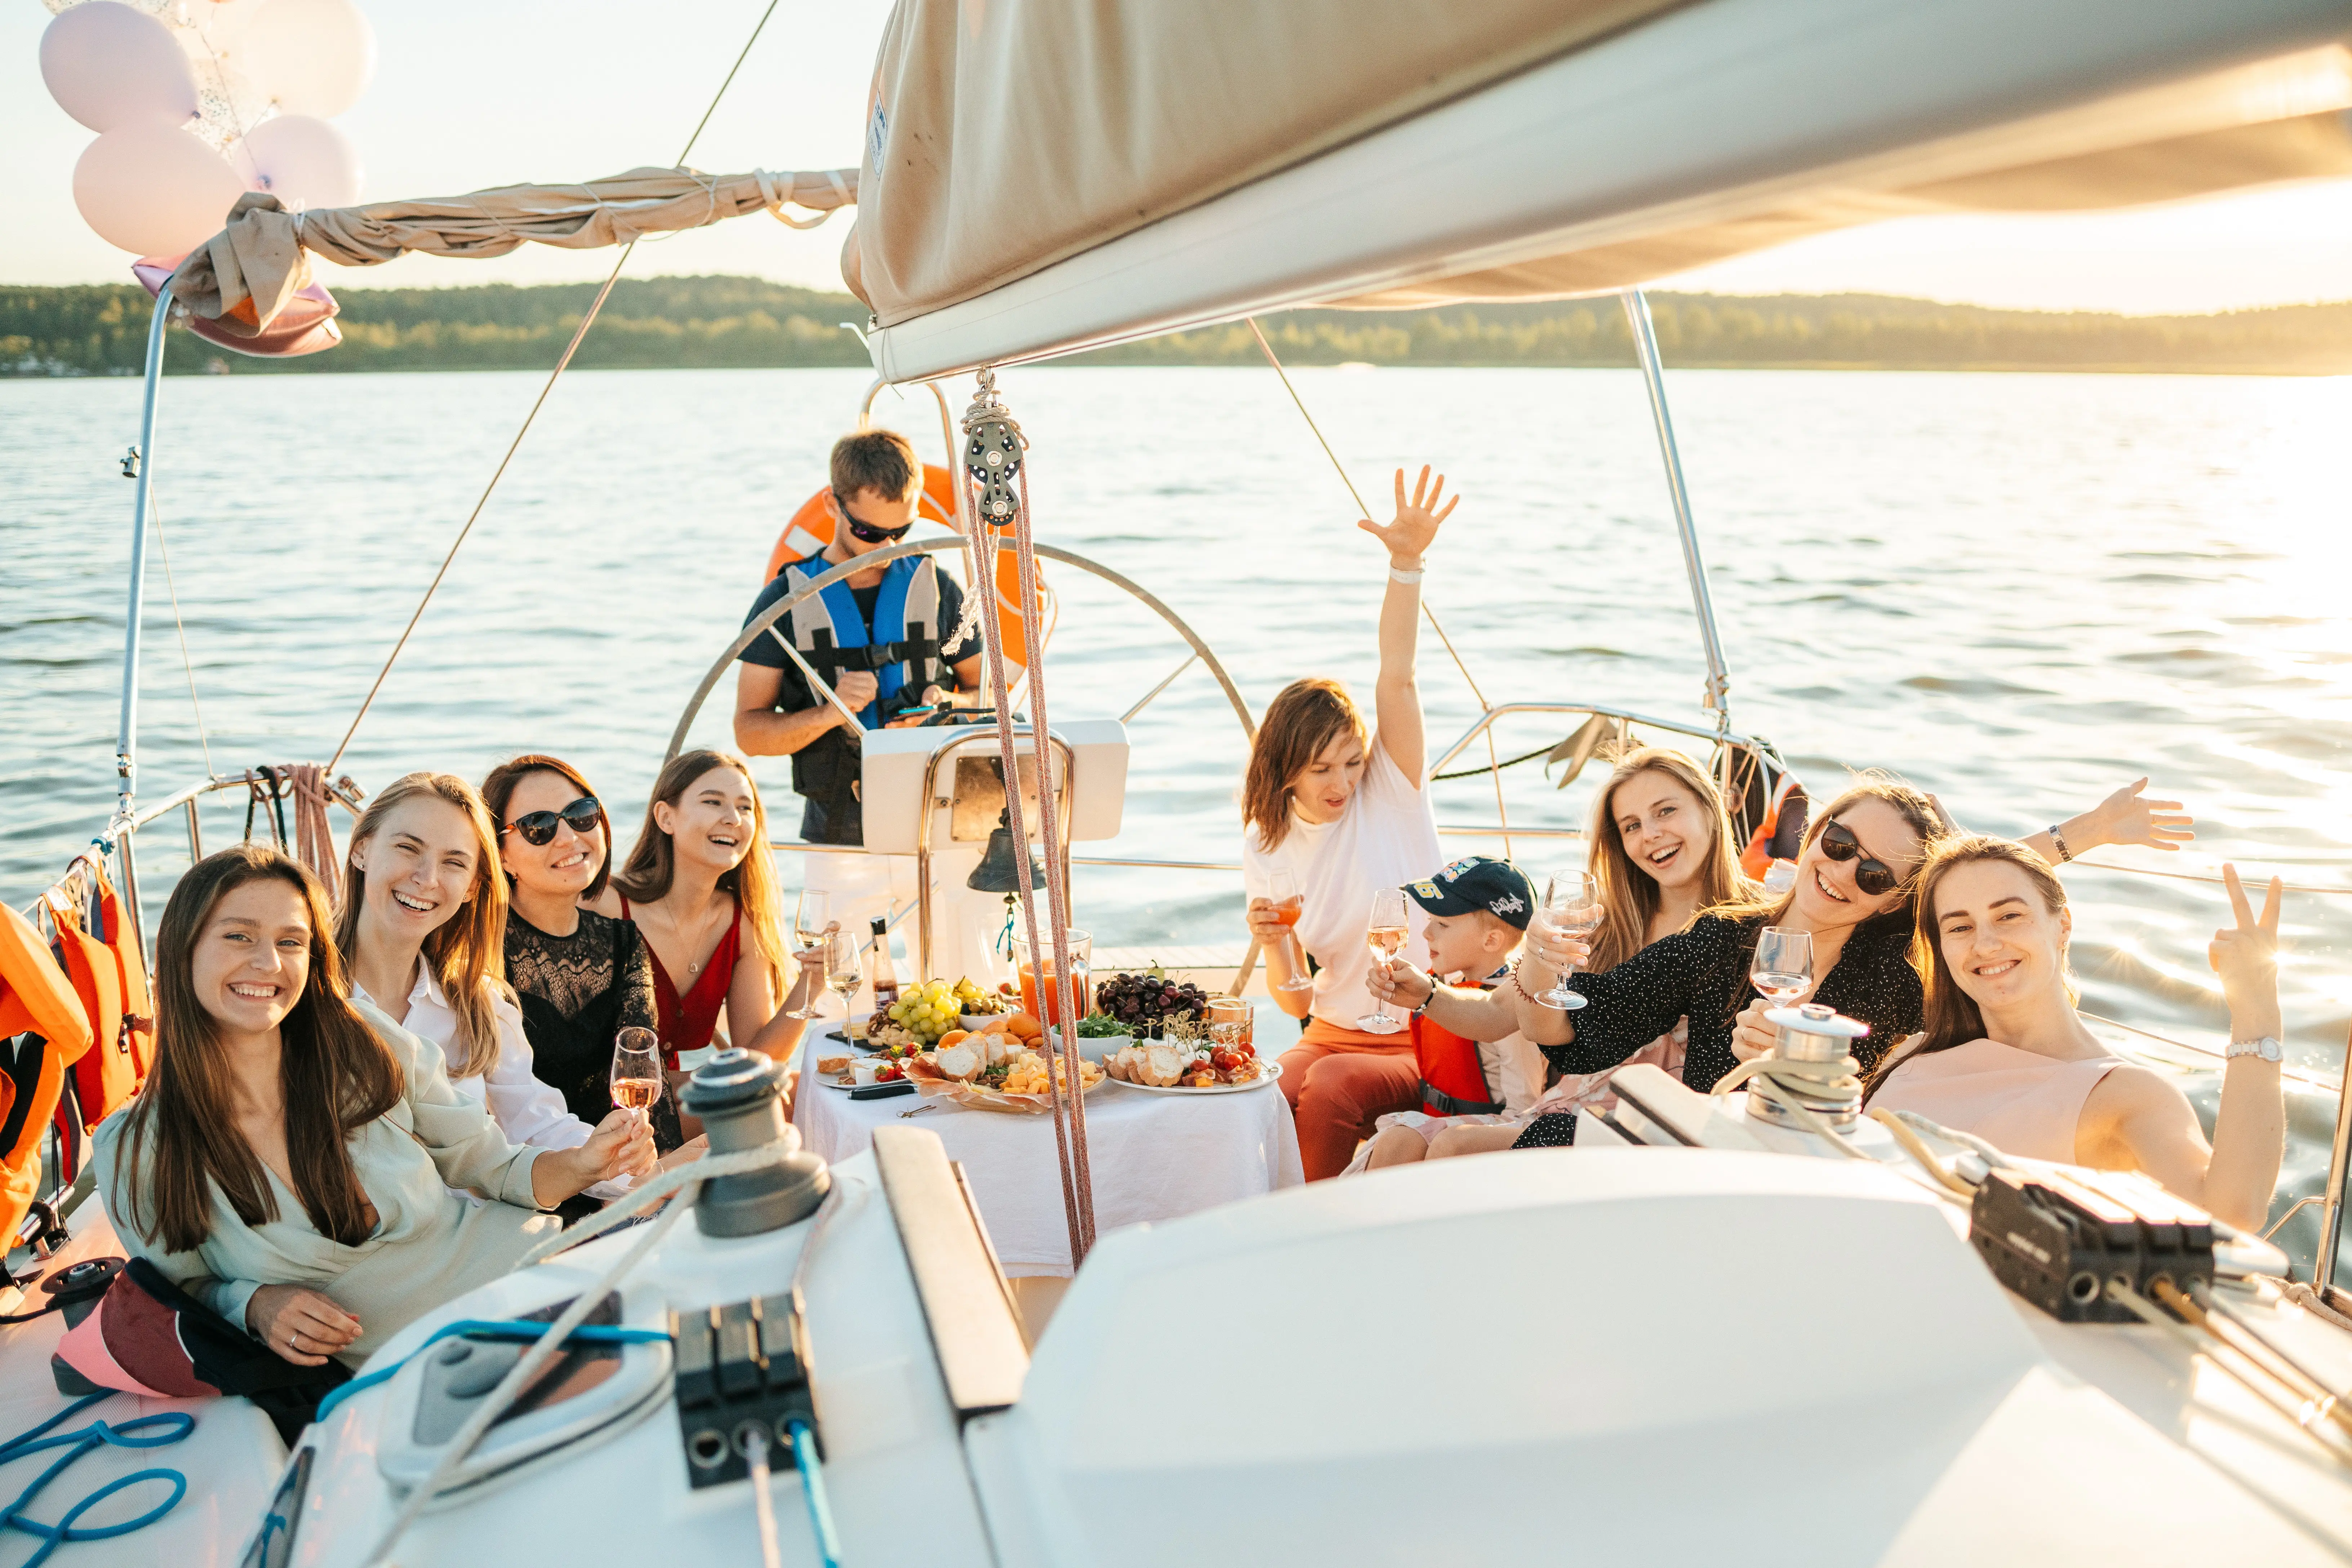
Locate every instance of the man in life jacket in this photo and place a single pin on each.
(1478, 910)
(876, 639)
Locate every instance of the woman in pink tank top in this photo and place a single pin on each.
(2005, 1055)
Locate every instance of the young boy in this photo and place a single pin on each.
(1478, 910)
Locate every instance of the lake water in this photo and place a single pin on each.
(2019, 591)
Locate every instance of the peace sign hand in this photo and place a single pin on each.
(2247, 958)
(1416, 520)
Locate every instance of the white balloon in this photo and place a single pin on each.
(108, 65)
(303, 162)
(154, 191)
(312, 57)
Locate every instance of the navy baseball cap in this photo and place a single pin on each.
(1478, 882)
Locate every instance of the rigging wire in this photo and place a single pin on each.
(155, 513)
(1494, 767)
(571, 348)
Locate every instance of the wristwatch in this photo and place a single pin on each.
(2267, 1047)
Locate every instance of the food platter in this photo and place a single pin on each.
(1272, 1070)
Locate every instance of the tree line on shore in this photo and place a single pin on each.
(747, 323)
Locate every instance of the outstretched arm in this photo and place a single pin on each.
(2123, 817)
(1397, 699)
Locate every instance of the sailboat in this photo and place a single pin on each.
(1704, 1336)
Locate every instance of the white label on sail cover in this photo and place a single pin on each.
(876, 133)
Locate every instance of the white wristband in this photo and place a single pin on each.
(1406, 577)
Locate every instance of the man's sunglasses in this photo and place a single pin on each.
(539, 827)
(1873, 876)
(865, 531)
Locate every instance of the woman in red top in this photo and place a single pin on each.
(701, 885)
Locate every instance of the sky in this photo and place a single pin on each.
(495, 92)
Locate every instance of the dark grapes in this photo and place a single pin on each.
(1146, 1002)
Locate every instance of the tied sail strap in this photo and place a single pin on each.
(774, 199)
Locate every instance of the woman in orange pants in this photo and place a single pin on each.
(1330, 817)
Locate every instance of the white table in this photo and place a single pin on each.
(1153, 1156)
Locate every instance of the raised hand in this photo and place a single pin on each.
(2246, 957)
(2123, 817)
(1416, 521)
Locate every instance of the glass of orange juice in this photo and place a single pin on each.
(1042, 1002)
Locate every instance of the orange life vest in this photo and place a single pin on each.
(1781, 833)
(1452, 1081)
(36, 998)
(108, 1073)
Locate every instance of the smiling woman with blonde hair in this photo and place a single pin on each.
(422, 930)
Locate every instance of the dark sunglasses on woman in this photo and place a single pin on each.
(538, 827)
(1873, 876)
(865, 531)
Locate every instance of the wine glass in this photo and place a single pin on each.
(809, 923)
(1282, 889)
(1783, 967)
(637, 1070)
(843, 972)
(1572, 907)
(1386, 936)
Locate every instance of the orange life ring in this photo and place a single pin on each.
(811, 529)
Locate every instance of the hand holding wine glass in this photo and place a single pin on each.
(636, 1077)
(1289, 905)
(1386, 936)
(1572, 907)
(1783, 967)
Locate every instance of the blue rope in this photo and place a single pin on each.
(169, 1426)
(512, 1331)
(828, 1545)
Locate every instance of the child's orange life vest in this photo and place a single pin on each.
(1452, 1081)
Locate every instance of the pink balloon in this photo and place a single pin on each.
(152, 190)
(110, 66)
(304, 161)
(312, 57)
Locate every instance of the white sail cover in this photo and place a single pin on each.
(1015, 143)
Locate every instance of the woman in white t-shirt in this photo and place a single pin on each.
(1347, 815)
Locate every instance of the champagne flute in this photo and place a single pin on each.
(1386, 936)
(1783, 967)
(636, 1077)
(1572, 907)
(843, 972)
(809, 923)
(1282, 889)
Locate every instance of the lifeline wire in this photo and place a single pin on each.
(569, 350)
(1494, 767)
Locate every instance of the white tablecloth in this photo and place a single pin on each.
(1154, 1156)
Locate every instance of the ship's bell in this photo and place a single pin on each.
(999, 870)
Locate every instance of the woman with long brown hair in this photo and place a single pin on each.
(2005, 1055)
(580, 976)
(290, 1160)
(700, 884)
(1661, 847)
(422, 929)
(1337, 815)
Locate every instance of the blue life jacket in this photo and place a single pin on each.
(903, 647)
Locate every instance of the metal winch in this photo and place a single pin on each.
(1812, 1066)
(739, 1095)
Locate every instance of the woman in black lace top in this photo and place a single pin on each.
(580, 976)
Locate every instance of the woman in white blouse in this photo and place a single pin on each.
(422, 930)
